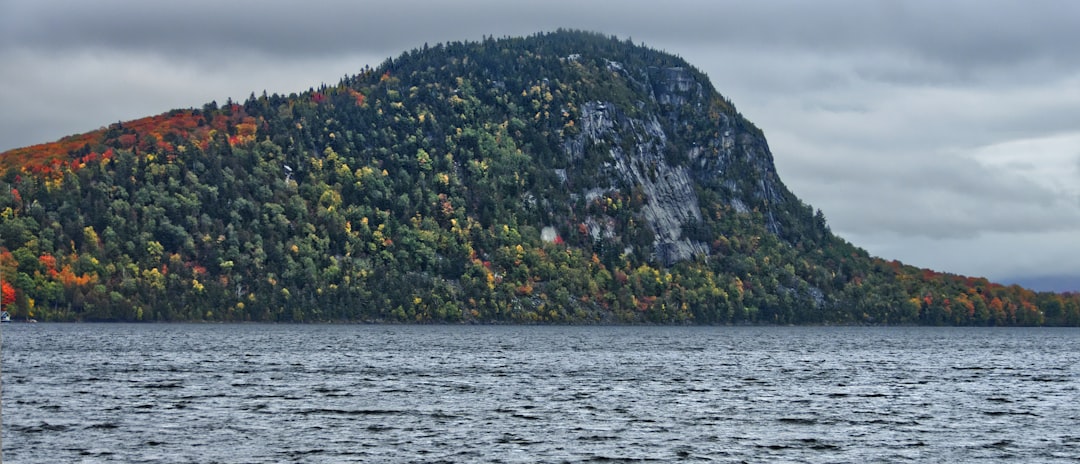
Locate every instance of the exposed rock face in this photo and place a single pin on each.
(670, 200)
(646, 153)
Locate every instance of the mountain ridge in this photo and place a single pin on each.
(561, 177)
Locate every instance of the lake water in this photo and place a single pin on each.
(356, 393)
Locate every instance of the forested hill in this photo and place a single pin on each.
(566, 177)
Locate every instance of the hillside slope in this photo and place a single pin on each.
(565, 178)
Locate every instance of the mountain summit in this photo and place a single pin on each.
(566, 177)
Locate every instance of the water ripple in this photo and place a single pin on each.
(267, 394)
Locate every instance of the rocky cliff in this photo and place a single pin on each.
(652, 152)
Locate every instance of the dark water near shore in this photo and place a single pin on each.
(271, 393)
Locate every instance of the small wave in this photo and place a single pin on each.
(1047, 378)
(349, 412)
(797, 420)
(444, 415)
(526, 416)
(307, 452)
(40, 428)
(598, 438)
(872, 395)
(1010, 413)
(509, 438)
(908, 423)
(244, 385)
(818, 445)
(90, 452)
(163, 385)
(596, 458)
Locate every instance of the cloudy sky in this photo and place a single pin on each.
(943, 134)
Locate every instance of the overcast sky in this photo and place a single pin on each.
(943, 134)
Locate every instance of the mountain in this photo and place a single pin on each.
(565, 177)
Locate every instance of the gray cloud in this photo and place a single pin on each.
(959, 33)
(940, 133)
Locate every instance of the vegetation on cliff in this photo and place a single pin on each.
(512, 180)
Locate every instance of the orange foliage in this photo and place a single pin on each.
(8, 294)
(645, 302)
(358, 96)
(145, 135)
(245, 132)
(526, 289)
(43, 154)
(69, 279)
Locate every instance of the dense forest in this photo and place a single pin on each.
(518, 180)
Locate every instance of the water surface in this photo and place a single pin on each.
(324, 393)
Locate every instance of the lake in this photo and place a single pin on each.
(174, 393)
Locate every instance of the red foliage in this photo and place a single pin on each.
(146, 135)
(48, 261)
(126, 140)
(44, 154)
(621, 277)
(8, 294)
